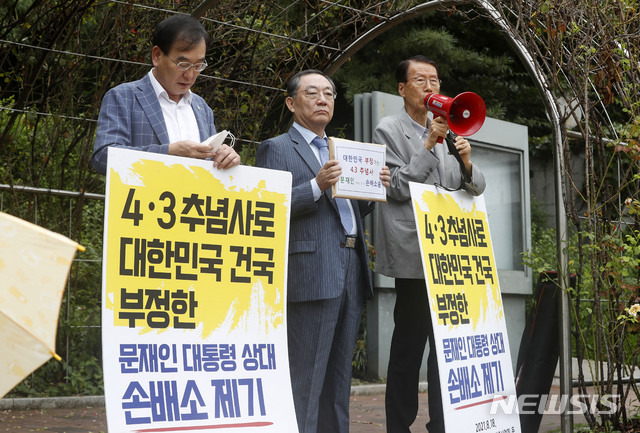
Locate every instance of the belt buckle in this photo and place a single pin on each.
(350, 242)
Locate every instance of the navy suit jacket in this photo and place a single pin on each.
(315, 232)
(131, 117)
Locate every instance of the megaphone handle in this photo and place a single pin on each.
(439, 140)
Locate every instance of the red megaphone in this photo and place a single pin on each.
(465, 113)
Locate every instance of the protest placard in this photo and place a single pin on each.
(194, 296)
(474, 360)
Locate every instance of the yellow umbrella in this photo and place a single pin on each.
(34, 264)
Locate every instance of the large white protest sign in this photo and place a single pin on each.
(194, 298)
(474, 360)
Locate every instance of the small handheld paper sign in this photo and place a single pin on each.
(361, 164)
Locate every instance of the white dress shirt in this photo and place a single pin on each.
(308, 137)
(178, 117)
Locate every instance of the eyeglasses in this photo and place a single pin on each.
(329, 95)
(422, 81)
(185, 66)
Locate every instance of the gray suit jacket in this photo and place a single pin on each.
(315, 231)
(396, 241)
(131, 117)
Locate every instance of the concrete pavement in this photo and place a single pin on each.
(87, 414)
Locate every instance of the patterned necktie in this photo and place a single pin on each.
(343, 206)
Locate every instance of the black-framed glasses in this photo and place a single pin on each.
(185, 66)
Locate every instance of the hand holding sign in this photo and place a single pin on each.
(364, 173)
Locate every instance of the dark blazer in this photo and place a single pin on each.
(315, 230)
(131, 117)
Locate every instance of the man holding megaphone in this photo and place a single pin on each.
(415, 155)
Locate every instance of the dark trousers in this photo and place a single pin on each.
(412, 330)
(322, 335)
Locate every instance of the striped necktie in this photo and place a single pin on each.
(343, 207)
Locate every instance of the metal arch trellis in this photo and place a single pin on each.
(506, 19)
(495, 15)
(561, 221)
(321, 34)
(362, 20)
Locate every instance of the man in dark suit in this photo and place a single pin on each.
(414, 155)
(159, 113)
(328, 277)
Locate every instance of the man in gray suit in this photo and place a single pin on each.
(413, 155)
(328, 276)
(159, 113)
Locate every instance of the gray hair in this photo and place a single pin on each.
(294, 82)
